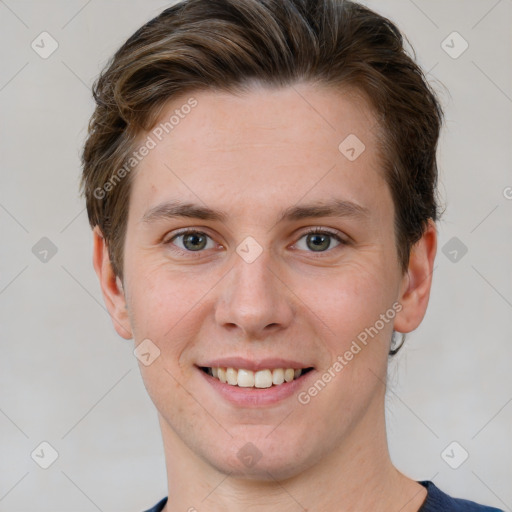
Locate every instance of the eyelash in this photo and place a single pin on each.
(310, 231)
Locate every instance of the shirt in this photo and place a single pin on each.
(436, 501)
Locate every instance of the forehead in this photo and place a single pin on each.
(265, 146)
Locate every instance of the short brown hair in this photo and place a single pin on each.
(226, 45)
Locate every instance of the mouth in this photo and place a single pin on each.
(260, 379)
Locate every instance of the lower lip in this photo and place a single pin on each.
(247, 397)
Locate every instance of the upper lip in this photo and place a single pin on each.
(254, 364)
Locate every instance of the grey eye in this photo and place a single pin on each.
(319, 242)
(192, 241)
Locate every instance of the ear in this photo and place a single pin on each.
(417, 281)
(111, 286)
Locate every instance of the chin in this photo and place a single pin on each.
(262, 461)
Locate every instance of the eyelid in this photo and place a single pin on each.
(184, 231)
(323, 230)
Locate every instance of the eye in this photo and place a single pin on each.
(316, 240)
(190, 241)
(320, 240)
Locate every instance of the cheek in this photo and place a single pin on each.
(351, 300)
(350, 307)
(160, 307)
(155, 302)
(165, 305)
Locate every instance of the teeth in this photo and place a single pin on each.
(245, 378)
(232, 376)
(259, 379)
(221, 375)
(262, 378)
(278, 376)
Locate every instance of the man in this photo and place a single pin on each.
(261, 180)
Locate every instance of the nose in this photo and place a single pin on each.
(253, 299)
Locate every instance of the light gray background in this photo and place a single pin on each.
(67, 378)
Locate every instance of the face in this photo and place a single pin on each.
(254, 242)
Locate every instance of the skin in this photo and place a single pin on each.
(253, 155)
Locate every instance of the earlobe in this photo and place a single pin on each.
(417, 282)
(111, 286)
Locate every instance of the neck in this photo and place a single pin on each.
(358, 475)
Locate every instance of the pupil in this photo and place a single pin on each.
(318, 241)
(193, 239)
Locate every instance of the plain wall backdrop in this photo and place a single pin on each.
(67, 379)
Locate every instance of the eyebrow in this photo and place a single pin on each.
(331, 208)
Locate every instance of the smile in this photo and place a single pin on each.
(264, 378)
